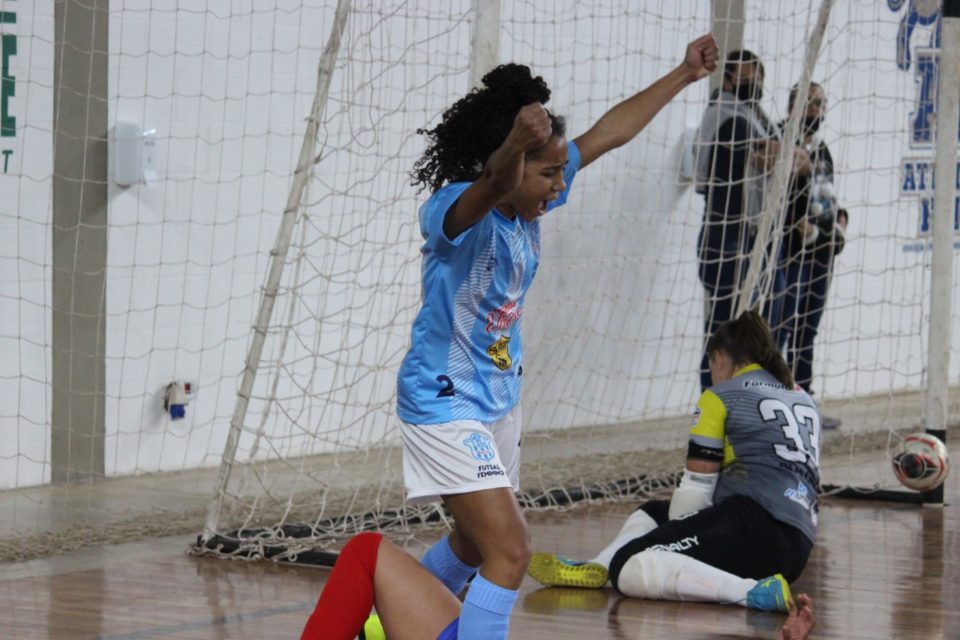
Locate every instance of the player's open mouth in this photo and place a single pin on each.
(542, 205)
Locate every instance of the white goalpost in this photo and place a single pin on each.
(946, 212)
(270, 256)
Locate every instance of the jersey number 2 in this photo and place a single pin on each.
(789, 419)
(447, 391)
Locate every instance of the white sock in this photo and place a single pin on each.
(638, 524)
(665, 575)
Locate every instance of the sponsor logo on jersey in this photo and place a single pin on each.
(499, 352)
(801, 469)
(503, 318)
(799, 495)
(480, 447)
(695, 418)
(487, 470)
(763, 384)
(681, 545)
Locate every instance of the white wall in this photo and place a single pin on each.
(227, 88)
(613, 324)
(25, 274)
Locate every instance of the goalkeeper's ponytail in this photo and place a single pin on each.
(747, 340)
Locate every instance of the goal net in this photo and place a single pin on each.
(290, 428)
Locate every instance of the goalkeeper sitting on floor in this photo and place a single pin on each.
(743, 521)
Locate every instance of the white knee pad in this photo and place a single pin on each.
(648, 574)
(665, 575)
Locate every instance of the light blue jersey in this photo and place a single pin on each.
(464, 362)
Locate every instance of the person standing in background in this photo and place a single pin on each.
(814, 233)
(735, 152)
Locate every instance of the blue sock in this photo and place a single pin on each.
(443, 563)
(486, 611)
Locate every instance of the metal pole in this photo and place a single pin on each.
(726, 23)
(485, 47)
(79, 233)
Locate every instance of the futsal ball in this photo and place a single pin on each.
(372, 629)
(921, 462)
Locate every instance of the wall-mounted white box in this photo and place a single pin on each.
(134, 154)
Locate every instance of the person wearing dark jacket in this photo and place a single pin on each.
(735, 150)
(814, 228)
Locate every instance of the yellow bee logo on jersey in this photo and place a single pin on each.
(499, 352)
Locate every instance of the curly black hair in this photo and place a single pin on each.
(477, 124)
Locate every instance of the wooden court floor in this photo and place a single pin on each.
(879, 571)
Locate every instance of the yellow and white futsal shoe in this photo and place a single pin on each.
(552, 570)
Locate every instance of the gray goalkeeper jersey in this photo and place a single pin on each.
(771, 447)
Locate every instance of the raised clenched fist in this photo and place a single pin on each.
(702, 57)
(531, 128)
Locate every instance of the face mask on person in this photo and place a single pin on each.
(749, 91)
(811, 124)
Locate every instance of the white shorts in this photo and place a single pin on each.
(462, 456)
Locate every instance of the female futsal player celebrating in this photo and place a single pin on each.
(743, 521)
(496, 163)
